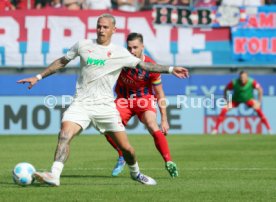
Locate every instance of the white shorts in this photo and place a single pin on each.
(104, 117)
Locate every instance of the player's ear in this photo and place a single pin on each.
(114, 29)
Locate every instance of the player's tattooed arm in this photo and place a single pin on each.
(179, 72)
(54, 66)
(154, 67)
(51, 69)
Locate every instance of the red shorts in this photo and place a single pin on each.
(129, 107)
(249, 103)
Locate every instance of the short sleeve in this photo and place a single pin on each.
(230, 86)
(155, 79)
(256, 84)
(73, 52)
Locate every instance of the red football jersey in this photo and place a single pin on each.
(137, 82)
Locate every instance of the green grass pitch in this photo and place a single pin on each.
(211, 168)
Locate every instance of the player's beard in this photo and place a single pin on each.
(101, 39)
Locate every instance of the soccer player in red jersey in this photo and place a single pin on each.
(243, 88)
(6, 5)
(136, 91)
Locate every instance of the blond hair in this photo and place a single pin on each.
(107, 15)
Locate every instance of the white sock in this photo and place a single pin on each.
(134, 170)
(57, 168)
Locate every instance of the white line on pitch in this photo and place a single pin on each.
(160, 169)
(183, 169)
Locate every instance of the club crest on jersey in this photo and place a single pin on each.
(108, 54)
(141, 75)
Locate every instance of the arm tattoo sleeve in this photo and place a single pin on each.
(154, 67)
(54, 66)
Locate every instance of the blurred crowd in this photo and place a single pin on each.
(123, 5)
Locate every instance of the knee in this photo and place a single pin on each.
(152, 126)
(127, 149)
(256, 107)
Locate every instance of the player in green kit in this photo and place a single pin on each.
(243, 89)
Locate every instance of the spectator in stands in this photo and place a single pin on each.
(56, 4)
(184, 2)
(72, 4)
(97, 4)
(6, 5)
(174, 2)
(270, 2)
(171, 2)
(242, 2)
(205, 3)
(129, 5)
(148, 4)
(39, 4)
(23, 4)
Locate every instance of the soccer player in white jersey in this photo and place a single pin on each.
(101, 63)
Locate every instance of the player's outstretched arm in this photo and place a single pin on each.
(179, 72)
(51, 69)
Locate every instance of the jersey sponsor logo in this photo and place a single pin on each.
(126, 80)
(96, 62)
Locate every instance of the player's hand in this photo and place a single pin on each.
(32, 81)
(165, 127)
(180, 72)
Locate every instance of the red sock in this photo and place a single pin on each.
(221, 117)
(162, 145)
(263, 118)
(113, 144)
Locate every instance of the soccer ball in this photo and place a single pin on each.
(23, 174)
